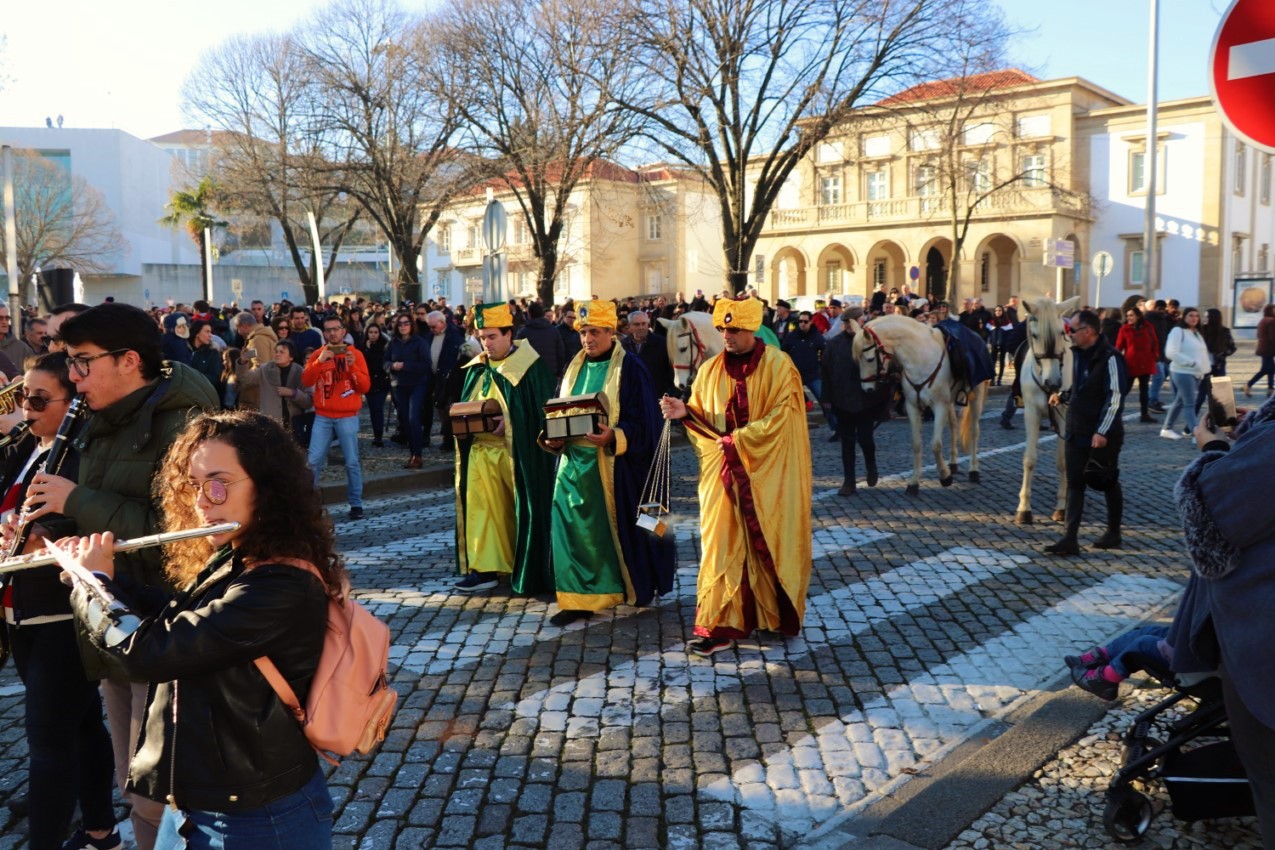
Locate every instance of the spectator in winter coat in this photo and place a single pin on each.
(806, 346)
(1141, 349)
(1266, 351)
(545, 339)
(175, 343)
(1189, 361)
(652, 349)
(1158, 318)
(407, 359)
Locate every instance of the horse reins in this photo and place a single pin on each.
(698, 357)
(885, 357)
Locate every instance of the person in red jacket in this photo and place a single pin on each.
(1138, 342)
(339, 377)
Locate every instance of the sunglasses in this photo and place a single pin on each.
(214, 489)
(38, 403)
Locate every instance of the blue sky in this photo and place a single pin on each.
(122, 64)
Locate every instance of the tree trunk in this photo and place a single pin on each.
(548, 274)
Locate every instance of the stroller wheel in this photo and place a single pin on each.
(1127, 816)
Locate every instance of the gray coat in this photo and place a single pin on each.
(1225, 618)
(267, 378)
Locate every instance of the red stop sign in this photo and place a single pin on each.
(1242, 71)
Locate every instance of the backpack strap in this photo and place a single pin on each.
(271, 673)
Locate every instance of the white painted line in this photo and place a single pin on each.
(440, 650)
(822, 778)
(1254, 59)
(838, 615)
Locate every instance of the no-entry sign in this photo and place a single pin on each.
(1242, 71)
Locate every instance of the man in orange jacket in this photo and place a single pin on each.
(338, 374)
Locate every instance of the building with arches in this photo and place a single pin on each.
(989, 161)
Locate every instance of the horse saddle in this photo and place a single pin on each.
(971, 364)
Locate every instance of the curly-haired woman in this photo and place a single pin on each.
(218, 745)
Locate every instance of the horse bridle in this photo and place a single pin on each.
(1050, 354)
(698, 358)
(884, 357)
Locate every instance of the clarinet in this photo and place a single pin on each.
(52, 465)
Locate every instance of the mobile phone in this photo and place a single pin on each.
(1222, 403)
(337, 347)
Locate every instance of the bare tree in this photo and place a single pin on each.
(962, 134)
(270, 155)
(61, 221)
(536, 83)
(741, 90)
(386, 134)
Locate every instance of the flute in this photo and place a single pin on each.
(44, 559)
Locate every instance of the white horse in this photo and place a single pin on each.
(920, 351)
(1046, 370)
(692, 339)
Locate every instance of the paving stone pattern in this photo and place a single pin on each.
(926, 617)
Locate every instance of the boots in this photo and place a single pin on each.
(870, 460)
(1115, 514)
(413, 463)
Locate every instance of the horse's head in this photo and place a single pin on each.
(1044, 327)
(685, 349)
(870, 357)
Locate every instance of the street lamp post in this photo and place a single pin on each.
(1150, 267)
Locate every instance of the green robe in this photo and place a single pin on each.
(522, 383)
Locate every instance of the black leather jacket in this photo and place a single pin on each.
(235, 746)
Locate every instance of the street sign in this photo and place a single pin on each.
(146, 293)
(284, 296)
(1060, 253)
(1103, 263)
(236, 286)
(914, 272)
(1242, 71)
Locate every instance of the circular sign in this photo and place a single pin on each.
(1103, 263)
(1242, 71)
(914, 272)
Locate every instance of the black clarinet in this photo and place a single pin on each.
(52, 465)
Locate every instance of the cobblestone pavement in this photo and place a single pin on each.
(926, 617)
(1062, 806)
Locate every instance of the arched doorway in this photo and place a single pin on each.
(886, 264)
(788, 273)
(1070, 277)
(835, 270)
(935, 273)
(996, 269)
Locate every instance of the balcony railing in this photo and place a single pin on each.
(1008, 202)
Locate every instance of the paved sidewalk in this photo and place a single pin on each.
(928, 620)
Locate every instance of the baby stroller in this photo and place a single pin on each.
(1204, 779)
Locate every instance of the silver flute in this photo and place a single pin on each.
(44, 559)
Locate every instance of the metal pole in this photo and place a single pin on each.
(11, 242)
(208, 278)
(1150, 268)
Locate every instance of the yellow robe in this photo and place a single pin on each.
(773, 449)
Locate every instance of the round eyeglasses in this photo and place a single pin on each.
(214, 489)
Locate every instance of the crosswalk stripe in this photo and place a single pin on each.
(836, 615)
(822, 779)
(439, 650)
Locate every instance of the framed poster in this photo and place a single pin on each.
(1251, 295)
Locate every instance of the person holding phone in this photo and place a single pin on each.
(338, 377)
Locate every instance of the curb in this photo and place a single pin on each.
(390, 484)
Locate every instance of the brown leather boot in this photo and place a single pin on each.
(413, 463)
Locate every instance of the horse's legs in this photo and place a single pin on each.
(914, 419)
(1031, 416)
(953, 432)
(975, 411)
(942, 415)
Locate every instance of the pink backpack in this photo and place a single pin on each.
(351, 703)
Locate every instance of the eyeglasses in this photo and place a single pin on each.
(803, 321)
(38, 403)
(80, 362)
(214, 489)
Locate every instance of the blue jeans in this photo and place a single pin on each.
(1157, 380)
(346, 431)
(1139, 649)
(410, 402)
(300, 821)
(1185, 386)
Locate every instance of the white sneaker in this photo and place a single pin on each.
(1170, 434)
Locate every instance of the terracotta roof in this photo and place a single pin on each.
(1003, 79)
(182, 137)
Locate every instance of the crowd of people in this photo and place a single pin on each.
(137, 421)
